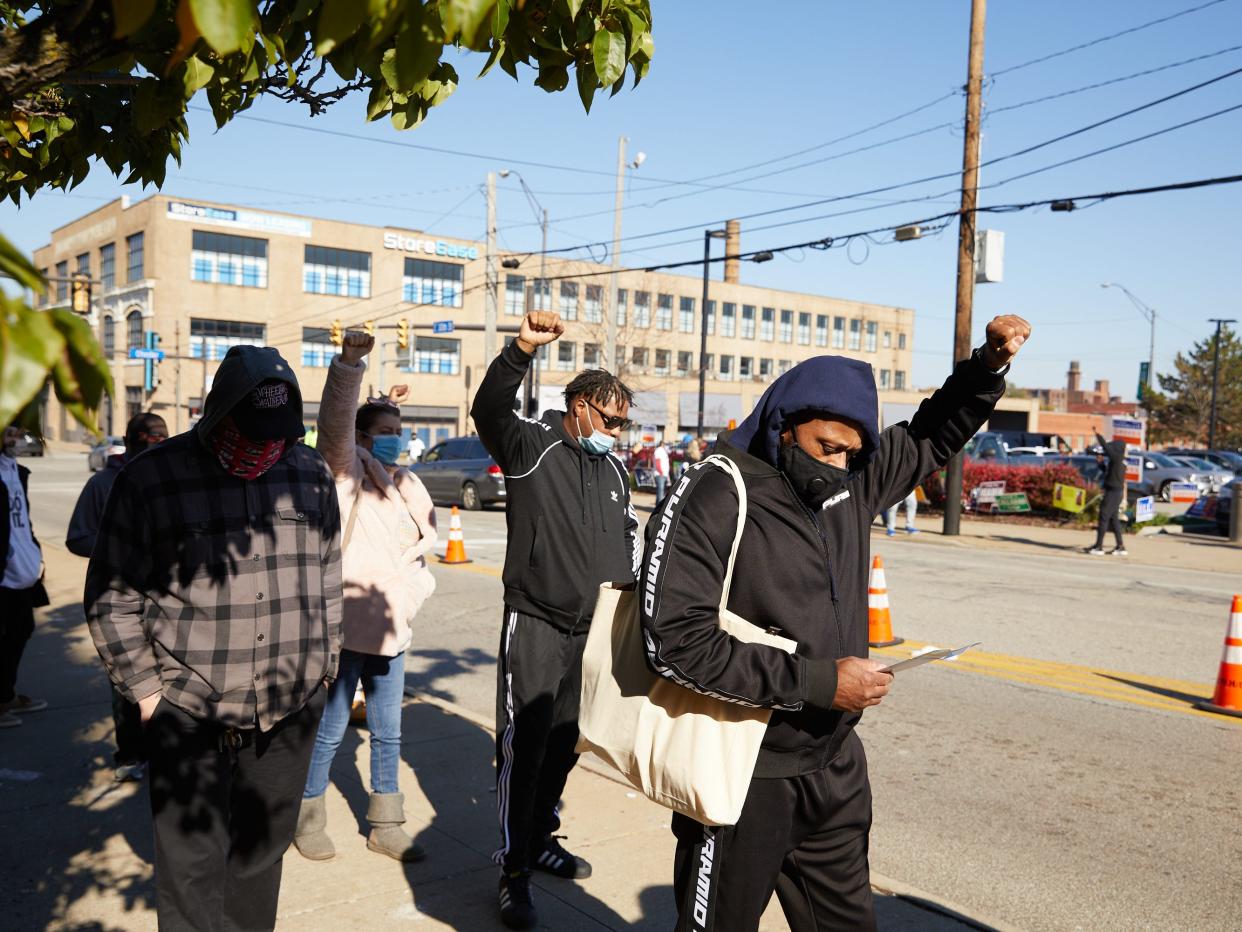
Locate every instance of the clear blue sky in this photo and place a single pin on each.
(734, 84)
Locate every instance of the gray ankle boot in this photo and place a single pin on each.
(309, 837)
(386, 815)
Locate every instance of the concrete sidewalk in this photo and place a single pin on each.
(78, 846)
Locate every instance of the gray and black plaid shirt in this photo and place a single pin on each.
(221, 593)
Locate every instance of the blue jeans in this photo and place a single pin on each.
(661, 482)
(912, 506)
(383, 683)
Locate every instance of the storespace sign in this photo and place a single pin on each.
(238, 219)
(430, 247)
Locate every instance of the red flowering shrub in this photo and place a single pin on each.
(1035, 481)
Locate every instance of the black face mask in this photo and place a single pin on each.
(813, 481)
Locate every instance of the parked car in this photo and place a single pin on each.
(987, 446)
(1218, 475)
(460, 471)
(28, 444)
(98, 457)
(1162, 471)
(1033, 451)
(1227, 458)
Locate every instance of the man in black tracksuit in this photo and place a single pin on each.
(817, 471)
(1113, 481)
(571, 528)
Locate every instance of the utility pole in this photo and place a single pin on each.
(708, 236)
(489, 312)
(1215, 382)
(533, 406)
(966, 244)
(610, 335)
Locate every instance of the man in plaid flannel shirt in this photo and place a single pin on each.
(214, 598)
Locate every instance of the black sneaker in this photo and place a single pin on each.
(557, 861)
(517, 909)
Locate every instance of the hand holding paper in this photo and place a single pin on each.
(942, 653)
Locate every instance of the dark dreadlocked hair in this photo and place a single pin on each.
(600, 386)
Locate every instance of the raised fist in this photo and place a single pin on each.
(398, 393)
(1005, 336)
(538, 328)
(354, 346)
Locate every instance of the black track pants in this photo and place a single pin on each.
(1109, 520)
(804, 837)
(539, 678)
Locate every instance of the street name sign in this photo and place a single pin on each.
(138, 353)
(442, 326)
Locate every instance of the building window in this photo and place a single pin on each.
(426, 281)
(107, 266)
(436, 356)
(663, 356)
(229, 260)
(783, 366)
(838, 333)
(541, 294)
(888, 339)
(748, 321)
(767, 324)
(726, 368)
(135, 264)
(711, 318)
(133, 401)
(885, 378)
(44, 295)
(684, 361)
(855, 333)
(515, 295)
(765, 369)
(871, 330)
(109, 336)
(568, 307)
(786, 326)
(590, 355)
(566, 356)
(133, 330)
(642, 309)
(84, 264)
(62, 282)
(709, 363)
(745, 367)
(593, 312)
(899, 379)
(664, 312)
(317, 347)
(685, 315)
(623, 300)
(804, 328)
(728, 319)
(901, 341)
(211, 339)
(638, 357)
(821, 329)
(343, 272)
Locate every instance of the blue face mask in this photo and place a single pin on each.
(386, 448)
(598, 443)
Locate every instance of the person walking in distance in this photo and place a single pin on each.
(415, 449)
(660, 466)
(142, 431)
(571, 528)
(213, 596)
(390, 527)
(911, 503)
(1111, 456)
(21, 580)
(817, 471)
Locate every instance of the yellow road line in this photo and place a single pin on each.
(493, 571)
(1081, 680)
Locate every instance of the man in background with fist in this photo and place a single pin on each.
(571, 528)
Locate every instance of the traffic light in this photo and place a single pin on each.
(403, 333)
(369, 328)
(336, 335)
(81, 292)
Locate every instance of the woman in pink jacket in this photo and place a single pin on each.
(388, 528)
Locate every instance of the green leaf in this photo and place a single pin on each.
(30, 345)
(130, 15)
(500, 21)
(338, 21)
(418, 50)
(587, 85)
(81, 375)
(498, 48)
(574, 7)
(608, 50)
(16, 266)
(227, 25)
(467, 20)
(553, 78)
(197, 75)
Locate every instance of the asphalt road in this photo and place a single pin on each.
(1056, 778)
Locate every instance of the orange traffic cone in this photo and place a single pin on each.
(879, 621)
(1228, 697)
(455, 552)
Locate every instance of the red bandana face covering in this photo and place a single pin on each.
(246, 459)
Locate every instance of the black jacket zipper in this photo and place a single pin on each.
(823, 539)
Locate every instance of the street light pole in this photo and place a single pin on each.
(708, 236)
(610, 329)
(1220, 322)
(1150, 313)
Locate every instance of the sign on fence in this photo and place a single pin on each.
(1012, 503)
(1144, 509)
(1069, 498)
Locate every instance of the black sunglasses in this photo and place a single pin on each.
(611, 421)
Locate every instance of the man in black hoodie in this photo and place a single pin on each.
(817, 471)
(571, 528)
(1111, 455)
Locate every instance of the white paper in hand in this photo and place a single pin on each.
(942, 653)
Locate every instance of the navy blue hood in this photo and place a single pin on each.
(831, 385)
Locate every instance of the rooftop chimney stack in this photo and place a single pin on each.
(733, 246)
(1072, 377)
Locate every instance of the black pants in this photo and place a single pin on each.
(224, 815)
(538, 681)
(804, 837)
(1109, 519)
(16, 627)
(127, 722)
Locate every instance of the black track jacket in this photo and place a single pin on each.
(798, 574)
(571, 524)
